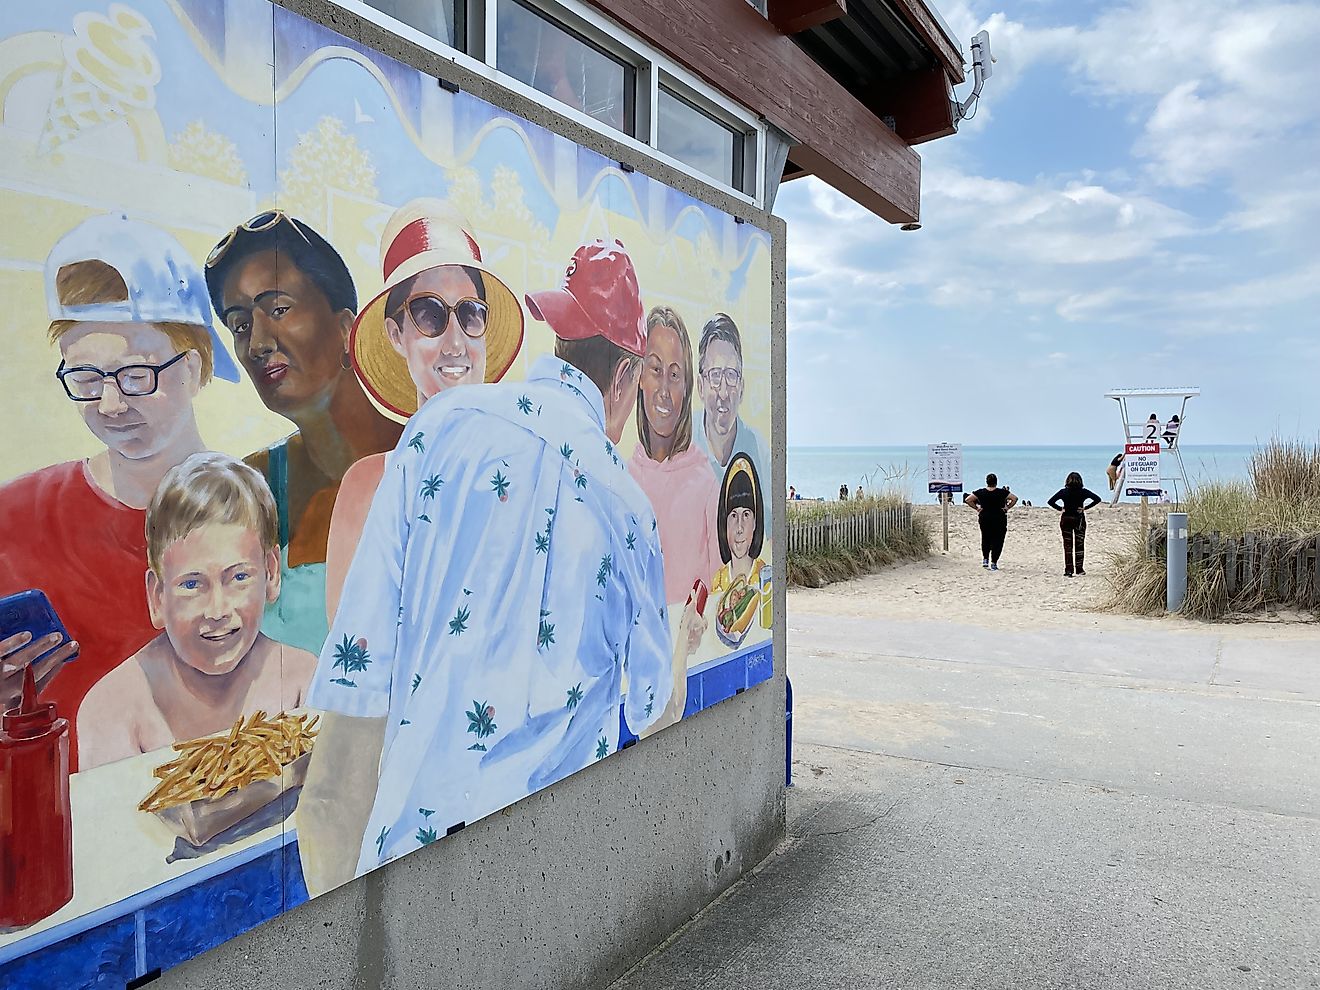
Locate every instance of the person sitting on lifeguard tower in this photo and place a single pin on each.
(1171, 432)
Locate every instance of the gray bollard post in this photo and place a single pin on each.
(1176, 557)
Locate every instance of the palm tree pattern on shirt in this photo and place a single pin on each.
(417, 443)
(574, 696)
(481, 720)
(352, 656)
(458, 624)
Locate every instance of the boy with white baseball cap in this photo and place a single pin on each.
(130, 314)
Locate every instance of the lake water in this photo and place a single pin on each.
(1033, 473)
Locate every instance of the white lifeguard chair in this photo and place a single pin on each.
(1168, 432)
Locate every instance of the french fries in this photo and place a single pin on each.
(256, 748)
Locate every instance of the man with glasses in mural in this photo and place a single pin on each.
(507, 578)
(129, 313)
(720, 384)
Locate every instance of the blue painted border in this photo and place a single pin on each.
(159, 926)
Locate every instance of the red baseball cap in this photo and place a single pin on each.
(599, 298)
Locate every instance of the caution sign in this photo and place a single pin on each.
(1141, 469)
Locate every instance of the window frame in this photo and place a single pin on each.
(478, 20)
(588, 36)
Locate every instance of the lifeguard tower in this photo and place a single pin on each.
(1168, 432)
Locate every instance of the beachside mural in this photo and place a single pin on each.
(378, 458)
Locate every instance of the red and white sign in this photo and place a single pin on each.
(1141, 469)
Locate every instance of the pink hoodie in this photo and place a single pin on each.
(685, 496)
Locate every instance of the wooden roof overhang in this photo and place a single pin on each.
(855, 83)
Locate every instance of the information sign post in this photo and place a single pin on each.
(944, 473)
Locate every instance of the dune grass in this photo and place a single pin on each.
(818, 568)
(1279, 504)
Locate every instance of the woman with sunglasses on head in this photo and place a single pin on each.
(440, 321)
(288, 299)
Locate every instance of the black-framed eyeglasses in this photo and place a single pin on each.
(86, 382)
(719, 377)
(261, 223)
(430, 314)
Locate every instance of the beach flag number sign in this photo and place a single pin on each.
(945, 466)
(1141, 469)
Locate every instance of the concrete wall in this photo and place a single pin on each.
(571, 886)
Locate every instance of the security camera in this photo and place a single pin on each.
(982, 69)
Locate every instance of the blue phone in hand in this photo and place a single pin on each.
(31, 611)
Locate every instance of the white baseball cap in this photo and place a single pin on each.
(164, 284)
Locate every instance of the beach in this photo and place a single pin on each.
(1029, 589)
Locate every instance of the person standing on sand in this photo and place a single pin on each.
(1072, 501)
(992, 504)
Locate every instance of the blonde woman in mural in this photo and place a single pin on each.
(288, 298)
(440, 321)
(129, 313)
(674, 472)
(214, 565)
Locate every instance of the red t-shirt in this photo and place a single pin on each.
(62, 534)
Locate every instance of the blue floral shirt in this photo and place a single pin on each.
(509, 573)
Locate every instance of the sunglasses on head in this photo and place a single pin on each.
(259, 224)
(430, 314)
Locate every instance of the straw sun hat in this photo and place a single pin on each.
(425, 234)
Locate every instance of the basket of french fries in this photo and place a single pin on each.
(217, 781)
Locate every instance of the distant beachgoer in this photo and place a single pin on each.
(1152, 428)
(843, 493)
(792, 492)
(992, 504)
(1112, 471)
(858, 494)
(1171, 432)
(1072, 501)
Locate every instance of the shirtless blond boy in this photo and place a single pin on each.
(214, 565)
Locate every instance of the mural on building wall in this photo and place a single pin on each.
(381, 458)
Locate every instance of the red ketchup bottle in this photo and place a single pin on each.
(36, 827)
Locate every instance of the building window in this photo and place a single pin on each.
(441, 19)
(699, 140)
(564, 65)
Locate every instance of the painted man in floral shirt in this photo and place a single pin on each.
(508, 577)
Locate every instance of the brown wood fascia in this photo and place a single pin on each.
(796, 16)
(732, 47)
(928, 29)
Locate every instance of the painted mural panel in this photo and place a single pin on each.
(378, 458)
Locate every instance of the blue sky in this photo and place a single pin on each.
(1136, 203)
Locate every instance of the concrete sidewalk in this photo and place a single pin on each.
(1128, 807)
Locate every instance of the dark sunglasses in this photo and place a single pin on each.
(430, 314)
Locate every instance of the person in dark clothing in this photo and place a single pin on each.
(1072, 501)
(992, 504)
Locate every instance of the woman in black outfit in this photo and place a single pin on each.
(992, 504)
(1072, 501)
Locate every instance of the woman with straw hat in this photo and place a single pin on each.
(440, 321)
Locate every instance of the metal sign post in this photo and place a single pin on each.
(944, 476)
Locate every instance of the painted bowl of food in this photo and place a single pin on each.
(736, 610)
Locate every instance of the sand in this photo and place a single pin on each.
(1028, 589)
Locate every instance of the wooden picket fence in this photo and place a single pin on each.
(1257, 567)
(847, 529)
